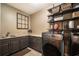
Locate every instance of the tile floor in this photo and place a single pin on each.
(33, 53)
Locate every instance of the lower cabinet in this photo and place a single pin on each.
(0, 47)
(35, 43)
(4, 47)
(23, 42)
(12, 45)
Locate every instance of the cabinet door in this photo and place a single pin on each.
(5, 50)
(30, 41)
(36, 43)
(14, 45)
(39, 44)
(33, 42)
(0, 49)
(23, 42)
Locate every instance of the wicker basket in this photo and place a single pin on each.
(77, 24)
(65, 6)
(76, 14)
(67, 16)
(56, 10)
(75, 5)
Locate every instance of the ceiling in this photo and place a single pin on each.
(30, 8)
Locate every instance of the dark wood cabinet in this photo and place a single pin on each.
(35, 43)
(0, 48)
(4, 47)
(12, 45)
(23, 42)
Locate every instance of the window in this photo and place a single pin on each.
(22, 21)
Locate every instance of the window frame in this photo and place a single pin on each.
(26, 21)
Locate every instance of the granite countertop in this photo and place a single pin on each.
(6, 37)
(11, 36)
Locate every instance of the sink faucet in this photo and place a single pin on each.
(7, 34)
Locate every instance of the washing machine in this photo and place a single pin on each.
(52, 44)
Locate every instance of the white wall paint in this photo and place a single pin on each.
(39, 21)
(0, 18)
(9, 21)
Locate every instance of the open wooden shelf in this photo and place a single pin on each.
(72, 30)
(76, 34)
(71, 19)
(65, 30)
(65, 12)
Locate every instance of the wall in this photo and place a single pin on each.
(39, 21)
(9, 21)
(0, 18)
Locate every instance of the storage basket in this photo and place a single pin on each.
(55, 9)
(67, 16)
(76, 14)
(66, 6)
